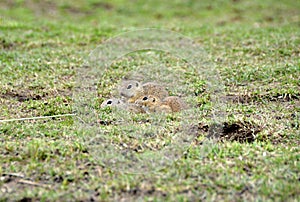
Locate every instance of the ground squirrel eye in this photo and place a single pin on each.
(129, 86)
(145, 98)
(109, 102)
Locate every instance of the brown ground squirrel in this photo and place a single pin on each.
(132, 90)
(151, 103)
(117, 103)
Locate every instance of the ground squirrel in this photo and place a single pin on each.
(132, 90)
(114, 102)
(151, 103)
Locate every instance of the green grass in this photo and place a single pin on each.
(254, 45)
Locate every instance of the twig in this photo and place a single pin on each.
(34, 118)
(14, 175)
(33, 183)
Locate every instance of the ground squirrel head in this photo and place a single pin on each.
(130, 88)
(152, 103)
(111, 102)
(148, 101)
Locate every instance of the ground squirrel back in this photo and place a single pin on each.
(176, 103)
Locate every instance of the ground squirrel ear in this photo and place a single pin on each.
(137, 84)
(129, 86)
(153, 100)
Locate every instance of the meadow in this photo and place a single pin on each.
(253, 45)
